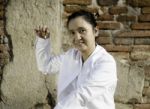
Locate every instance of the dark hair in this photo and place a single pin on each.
(88, 16)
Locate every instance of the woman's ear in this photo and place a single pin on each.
(96, 32)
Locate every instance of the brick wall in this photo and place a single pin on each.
(124, 27)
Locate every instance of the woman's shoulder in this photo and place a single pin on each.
(104, 56)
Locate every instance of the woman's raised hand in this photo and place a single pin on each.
(42, 32)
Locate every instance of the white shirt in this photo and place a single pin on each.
(88, 85)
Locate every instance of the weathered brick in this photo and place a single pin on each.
(120, 48)
(2, 31)
(140, 26)
(139, 3)
(118, 10)
(2, 48)
(125, 18)
(1, 23)
(74, 8)
(147, 71)
(4, 55)
(142, 41)
(110, 26)
(103, 40)
(134, 33)
(123, 41)
(140, 48)
(107, 2)
(3, 61)
(141, 106)
(1, 7)
(2, 1)
(121, 55)
(146, 10)
(1, 14)
(140, 52)
(77, 2)
(140, 56)
(105, 17)
(144, 17)
(104, 34)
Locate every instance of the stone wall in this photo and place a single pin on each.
(124, 31)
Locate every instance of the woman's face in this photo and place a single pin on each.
(82, 33)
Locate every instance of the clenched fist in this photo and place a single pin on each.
(42, 32)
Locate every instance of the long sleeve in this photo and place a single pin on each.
(96, 92)
(46, 63)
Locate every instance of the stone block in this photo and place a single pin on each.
(130, 83)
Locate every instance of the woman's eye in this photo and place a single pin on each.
(72, 32)
(82, 31)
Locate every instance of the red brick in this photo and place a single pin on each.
(123, 41)
(140, 26)
(74, 8)
(77, 2)
(118, 10)
(134, 33)
(125, 18)
(113, 48)
(142, 41)
(146, 10)
(103, 40)
(144, 17)
(139, 3)
(110, 26)
(106, 17)
(107, 2)
(141, 106)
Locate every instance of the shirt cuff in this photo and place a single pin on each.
(40, 41)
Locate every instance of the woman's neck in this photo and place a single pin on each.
(87, 53)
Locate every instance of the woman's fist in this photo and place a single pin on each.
(42, 32)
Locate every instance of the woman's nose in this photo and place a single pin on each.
(77, 36)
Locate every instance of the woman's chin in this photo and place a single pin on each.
(81, 48)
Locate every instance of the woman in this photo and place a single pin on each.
(87, 73)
